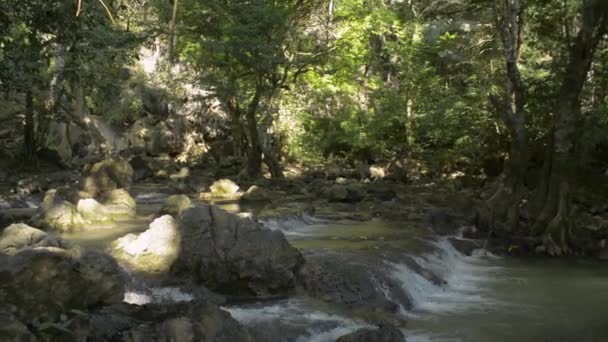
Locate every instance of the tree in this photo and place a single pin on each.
(554, 194)
(247, 52)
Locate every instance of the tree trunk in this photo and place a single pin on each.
(254, 156)
(553, 221)
(172, 37)
(502, 211)
(55, 91)
(29, 132)
(237, 133)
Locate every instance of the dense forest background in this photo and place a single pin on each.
(510, 91)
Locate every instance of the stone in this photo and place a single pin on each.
(58, 214)
(19, 236)
(224, 187)
(376, 172)
(107, 175)
(45, 282)
(351, 282)
(353, 192)
(175, 204)
(141, 168)
(183, 173)
(466, 246)
(234, 255)
(177, 322)
(384, 333)
(153, 251)
(93, 211)
(119, 203)
(256, 193)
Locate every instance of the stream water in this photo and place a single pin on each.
(486, 298)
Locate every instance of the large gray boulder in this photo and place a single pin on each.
(234, 255)
(353, 282)
(42, 279)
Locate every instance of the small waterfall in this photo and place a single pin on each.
(465, 277)
(294, 320)
(157, 295)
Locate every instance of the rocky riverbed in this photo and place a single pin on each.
(307, 259)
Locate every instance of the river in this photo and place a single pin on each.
(486, 298)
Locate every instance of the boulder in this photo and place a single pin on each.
(57, 214)
(466, 246)
(107, 175)
(384, 333)
(351, 282)
(178, 322)
(44, 282)
(234, 255)
(256, 193)
(353, 192)
(93, 211)
(182, 174)
(376, 172)
(141, 168)
(224, 187)
(119, 203)
(153, 251)
(175, 204)
(19, 236)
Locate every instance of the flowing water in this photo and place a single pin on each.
(485, 298)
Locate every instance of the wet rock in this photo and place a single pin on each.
(57, 214)
(224, 187)
(182, 174)
(141, 168)
(346, 192)
(234, 255)
(179, 322)
(153, 251)
(443, 221)
(119, 203)
(337, 193)
(349, 281)
(45, 282)
(93, 211)
(256, 193)
(382, 191)
(19, 236)
(175, 204)
(384, 333)
(107, 175)
(466, 246)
